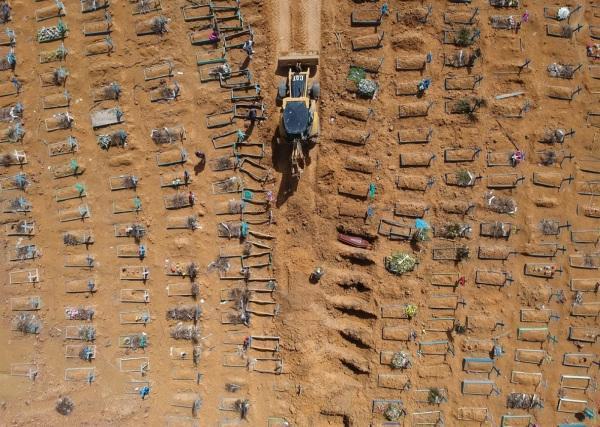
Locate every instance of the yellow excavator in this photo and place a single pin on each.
(298, 96)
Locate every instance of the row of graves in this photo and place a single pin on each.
(241, 198)
(474, 241)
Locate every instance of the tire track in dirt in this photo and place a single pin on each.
(298, 20)
(299, 25)
(283, 26)
(313, 24)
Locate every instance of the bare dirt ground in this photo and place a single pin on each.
(342, 328)
(113, 395)
(336, 337)
(298, 25)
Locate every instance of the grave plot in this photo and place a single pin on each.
(532, 356)
(543, 270)
(411, 159)
(165, 91)
(152, 26)
(88, 6)
(188, 401)
(107, 92)
(140, 296)
(16, 205)
(461, 155)
(531, 315)
(136, 317)
(131, 251)
(189, 222)
(543, 250)
(20, 228)
(563, 92)
(563, 71)
(29, 303)
(493, 278)
(134, 272)
(414, 109)
(583, 334)
(8, 61)
(413, 209)
(76, 191)
(24, 369)
(127, 206)
(172, 157)
(414, 182)
(565, 31)
(116, 138)
(504, 181)
(585, 309)
(26, 276)
(354, 111)
(60, 148)
(55, 10)
(52, 33)
(134, 341)
(106, 117)
(103, 46)
(197, 12)
(415, 135)
(55, 77)
(12, 133)
(19, 182)
(79, 313)
(168, 135)
(74, 213)
(26, 323)
(590, 261)
(80, 261)
(87, 375)
(497, 229)
(462, 16)
(457, 207)
(123, 182)
(26, 252)
(59, 121)
(590, 236)
(99, 27)
(80, 351)
(579, 360)
(58, 100)
(10, 87)
(81, 286)
(553, 157)
(461, 178)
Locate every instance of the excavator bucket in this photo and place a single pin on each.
(308, 59)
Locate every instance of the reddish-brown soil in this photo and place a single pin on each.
(335, 336)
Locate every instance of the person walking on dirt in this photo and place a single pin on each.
(385, 10)
(252, 114)
(248, 47)
(5, 13)
(214, 36)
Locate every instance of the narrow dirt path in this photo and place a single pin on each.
(299, 25)
(313, 24)
(283, 26)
